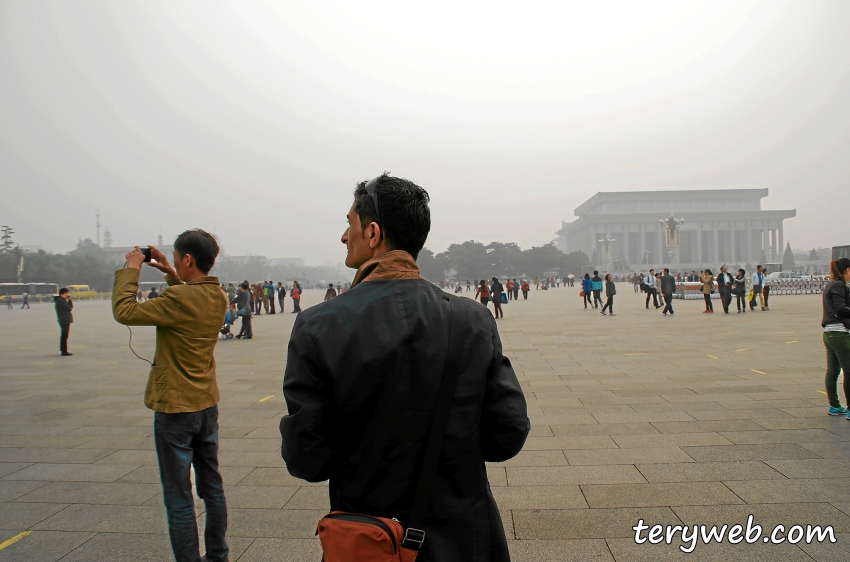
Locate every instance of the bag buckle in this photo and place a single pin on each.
(413, 538)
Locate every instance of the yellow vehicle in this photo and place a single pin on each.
(81, 292)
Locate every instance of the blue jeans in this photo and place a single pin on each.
(183, 440)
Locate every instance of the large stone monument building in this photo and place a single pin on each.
(720, 226)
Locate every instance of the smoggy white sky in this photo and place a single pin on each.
(256, 119)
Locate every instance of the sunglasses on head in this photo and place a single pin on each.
(371, 190)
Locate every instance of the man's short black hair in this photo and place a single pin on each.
(64, 290)
(595, 272)
(199, 244)
(403, 206)
(244, 285)
(666, 270)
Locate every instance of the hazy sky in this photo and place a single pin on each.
(256, 119)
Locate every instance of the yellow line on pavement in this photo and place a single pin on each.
(759, 372)
(9, 542)
(743, 349)
(267, 397)
(821, 391)
(792, 341)
(712, 356)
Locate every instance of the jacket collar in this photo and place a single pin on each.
(207, 279)
(396, 264)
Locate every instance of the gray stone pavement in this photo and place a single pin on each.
(695, 419)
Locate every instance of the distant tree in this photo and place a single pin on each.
(431, 267)
(7, 245)
(788, 259)
(87, 247)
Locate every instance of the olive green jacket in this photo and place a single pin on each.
(188, 317)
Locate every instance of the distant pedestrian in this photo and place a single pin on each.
(707, 279)
(295, 295)
(65, 316)
(496, 291)
(536, 283)
(836, 334)
(281, 295)
(468, 286)
(272, 294)
(739, 288)
(597, 289)
(668, 287)
(482, 293)
(766, 288)
(243, 301)
(8, 301)
(509, 289)
(610, 291)
(525, 289)
(231, 291)
(26, 301)
(757, 288)
(330, 293)
(516, 290)
(152, 294)
(724, 285)
(587, 289)
(650, 286)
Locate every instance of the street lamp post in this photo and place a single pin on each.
(671, 234)
(607, 251)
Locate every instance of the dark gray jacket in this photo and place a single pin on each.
(836, 304)
(63, 310)
(668, 284)
(361, 381)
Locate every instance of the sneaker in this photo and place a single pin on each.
(612, 314)
(833, 411)
(603, 313)
(664, 314)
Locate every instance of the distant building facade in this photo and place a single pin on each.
(721, 226)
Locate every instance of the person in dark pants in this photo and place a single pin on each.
(362, 378)
(610, 291)
(272, 294)
(836, 334)
(65, 316)
(739, 287)
(244, 308)
(766, 289)
(8, 301)
(182, 389)
(668, 287)
(707, 279)
(597, 289)
(281, 295)
(26, 301)
(496, 290)
(724, 285)
(651, 288)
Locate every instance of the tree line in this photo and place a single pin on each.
(470, 260)
(473, 260)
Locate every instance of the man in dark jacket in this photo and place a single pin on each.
(724, 285)
(668, 287)
(64, 315)
(361, 384)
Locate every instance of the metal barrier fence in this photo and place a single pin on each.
(693, 290)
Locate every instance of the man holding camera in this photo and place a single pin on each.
(182, 388)
(65, 316)
(362, 380)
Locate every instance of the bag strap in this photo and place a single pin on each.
(414, 535)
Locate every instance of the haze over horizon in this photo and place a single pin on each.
(256, 119)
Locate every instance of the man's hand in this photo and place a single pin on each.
(160, 262)
(135, 258)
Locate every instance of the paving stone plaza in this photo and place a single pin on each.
(695, 419)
